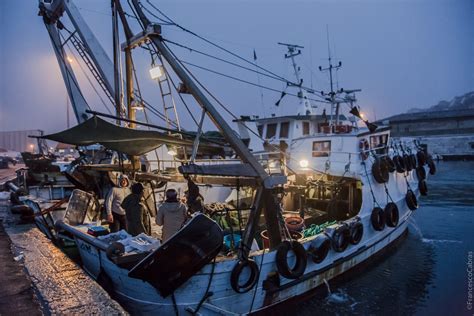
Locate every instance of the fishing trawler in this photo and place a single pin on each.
(323, 197)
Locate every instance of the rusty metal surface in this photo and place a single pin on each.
(61, 286)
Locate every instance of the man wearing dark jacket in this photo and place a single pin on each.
(138, 219)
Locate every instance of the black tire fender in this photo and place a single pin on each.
(422, 186)
(432, 167)
(392, 215)
(319, 248)
(407, 161)
(421, 173)
(237, 270)
(357, 232)
(378, 218)
(380, 171)
(410, 199)
(421, 157)
(399, 164)
(390, 164)
(282, 260)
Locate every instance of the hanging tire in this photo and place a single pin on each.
(340, 237)
(423, 187)
(399, 164)
(378, 218)
(391, 214)
(407, 161)
(421, 173)
(380, 171)
(390, 164)
(432, 166)
(410, 199)
(413, 161)
(421, 157)
(250, 282)
(356, 232)
(282, 259)
(319, 248)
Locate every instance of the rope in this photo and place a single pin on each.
(206, 294)
(370, 185)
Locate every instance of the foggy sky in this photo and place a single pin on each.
(402, 54)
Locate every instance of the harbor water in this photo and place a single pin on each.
(427, 273)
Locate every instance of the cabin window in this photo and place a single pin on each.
(271, 130)
(379, 143)
(321, 148)
(260, 130)
(305, 128)
(284, 129)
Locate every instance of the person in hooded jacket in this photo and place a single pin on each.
(113, 205)
(172, 214)
(138, 219)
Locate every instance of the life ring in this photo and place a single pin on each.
(378, 218)
(423, 187)
(357, 231)
(390, 164)
(319, 248)
(432, 166)
(421, 157)
(391, 214)
(340, 237)
(407, 161)
(421, 173)
(410, 199)
(282, 260)
(364, 148)
(399, 164)
(380, 171)
(250, 282)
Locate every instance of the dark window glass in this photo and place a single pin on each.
(322, 148)
(305, 128)
(260, 130)
(284, 129)
(271, 130)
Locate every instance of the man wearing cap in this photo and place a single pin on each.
(171, 215)
(113, 205)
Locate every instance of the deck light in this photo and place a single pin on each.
(156, 72)
(172, 150)
(304, 163)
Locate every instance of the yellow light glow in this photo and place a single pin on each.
(70, 60)
(156, 72)
(304, 163)
(362, 115)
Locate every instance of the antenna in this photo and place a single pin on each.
(293, 51)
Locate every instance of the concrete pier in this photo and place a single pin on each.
(43, 277)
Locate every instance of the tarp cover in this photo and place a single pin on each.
(129, 141)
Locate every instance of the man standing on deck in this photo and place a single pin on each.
(113, 205)
(171, 215)
(138, 219)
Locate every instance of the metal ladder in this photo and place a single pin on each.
(169, 105)
(79, 46)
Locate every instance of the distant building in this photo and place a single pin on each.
(64, 150)
(448, 133)
(19, 141)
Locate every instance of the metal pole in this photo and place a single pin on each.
(115, 40)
